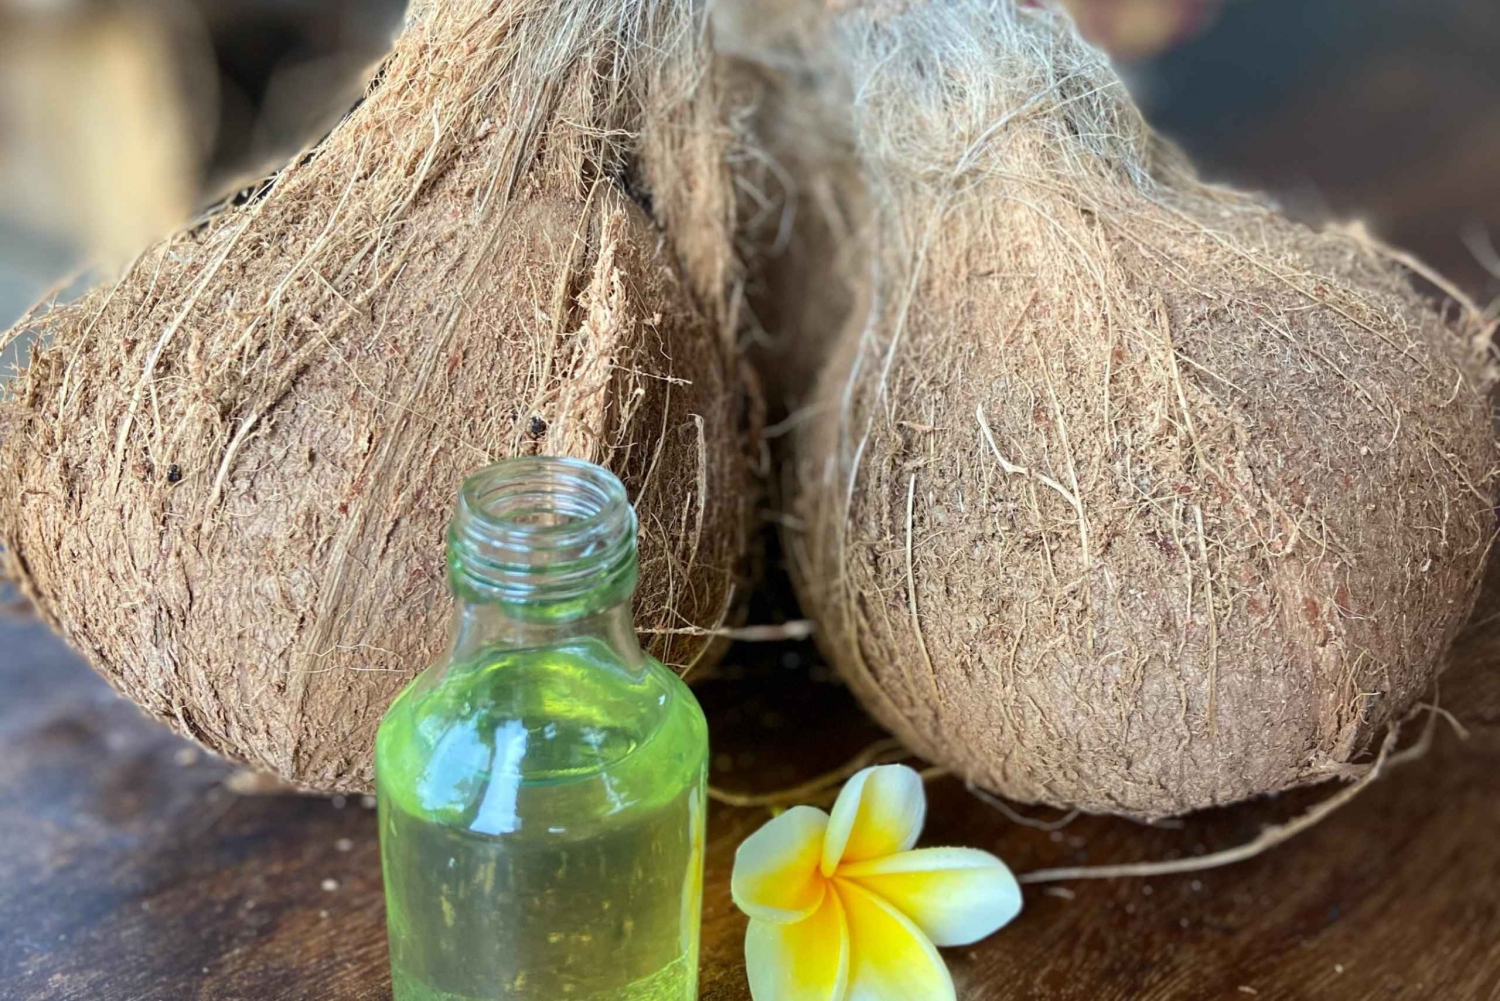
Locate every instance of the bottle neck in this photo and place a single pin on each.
(480, 626)
(542, 551)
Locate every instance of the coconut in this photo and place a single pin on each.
(227, 476)
(1122, 492)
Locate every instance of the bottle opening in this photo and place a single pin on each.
(554, 533)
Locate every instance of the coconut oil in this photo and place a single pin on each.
(542, 789)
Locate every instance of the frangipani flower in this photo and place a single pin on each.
(843, 909)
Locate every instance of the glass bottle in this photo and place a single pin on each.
(542, 787)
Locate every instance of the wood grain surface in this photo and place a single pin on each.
(132, 869)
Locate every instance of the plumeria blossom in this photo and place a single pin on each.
(842, 908)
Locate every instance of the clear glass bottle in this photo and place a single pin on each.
(542, 787)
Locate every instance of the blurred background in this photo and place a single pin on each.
(1384, 111)
(120, 119)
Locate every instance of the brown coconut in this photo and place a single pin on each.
(227, 476)
(1123, 492)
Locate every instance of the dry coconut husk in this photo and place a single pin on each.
(1122, 492)
(228, 475)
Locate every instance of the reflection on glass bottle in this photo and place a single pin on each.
(542, 789)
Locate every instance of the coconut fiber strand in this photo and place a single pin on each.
(1122, 491)
(227, 477)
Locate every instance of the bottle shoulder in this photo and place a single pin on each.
(569, 730)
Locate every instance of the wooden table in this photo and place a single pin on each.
(132, 869)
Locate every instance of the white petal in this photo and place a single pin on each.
(956, 896)
(889, 957)
(776, 875)
(879, 812)
(806, 961)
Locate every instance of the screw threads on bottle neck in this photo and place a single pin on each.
(550, 538)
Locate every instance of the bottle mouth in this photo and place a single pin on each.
(543, 532)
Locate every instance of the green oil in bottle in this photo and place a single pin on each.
(542, 790)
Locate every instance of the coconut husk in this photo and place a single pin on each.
(228, 474)
(799, 213)
(1122, 492)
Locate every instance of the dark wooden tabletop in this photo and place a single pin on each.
(135, 867)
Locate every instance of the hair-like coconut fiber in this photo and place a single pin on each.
(1122, 492)
(227, 476)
